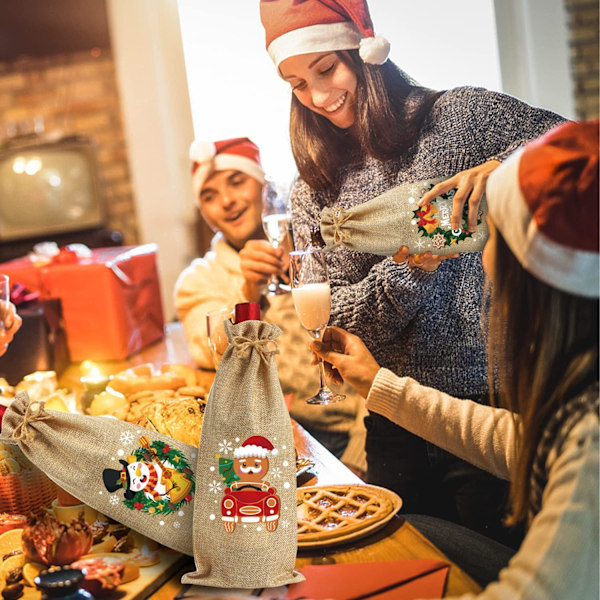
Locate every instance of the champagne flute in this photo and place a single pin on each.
(312, 299)
(276, 219)
(215, 330)
(4, 298)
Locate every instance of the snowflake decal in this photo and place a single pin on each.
(114, 500)
(214, 487)
(126, 438)
(225, 447)
(420, 244)
(438, 240)
(275, 472)
(285, 524)
(177, 524)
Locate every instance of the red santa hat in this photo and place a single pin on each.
(239, 154)
(544, 200)
(257, 445)
(295, 27)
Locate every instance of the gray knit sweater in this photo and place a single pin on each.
(419, 324)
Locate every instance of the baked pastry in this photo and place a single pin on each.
(143, 378)
(329, 512)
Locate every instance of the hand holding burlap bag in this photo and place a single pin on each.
(135, 476)
(393, 219)
(245, 507)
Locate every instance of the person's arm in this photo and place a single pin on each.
(559, 556)
(198, 290)
(10, 323)
(496, 125)
(383, 302)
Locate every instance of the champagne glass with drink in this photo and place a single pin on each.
(276, 220)
(312, 299)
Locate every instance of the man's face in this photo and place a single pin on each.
(231, 202)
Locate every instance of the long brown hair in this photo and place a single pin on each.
(390, 110)
(543, 346)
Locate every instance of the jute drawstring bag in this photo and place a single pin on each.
(245, 507)
(135, 476)
(393, 219)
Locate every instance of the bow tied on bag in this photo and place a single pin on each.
(393, 219)
(245, 510)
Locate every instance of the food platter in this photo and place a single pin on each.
(336, 514)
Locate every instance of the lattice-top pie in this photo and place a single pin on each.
(338, 510)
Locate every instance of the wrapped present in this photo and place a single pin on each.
(40, 344)
(110, 297)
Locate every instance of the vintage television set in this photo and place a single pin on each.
(50, 190)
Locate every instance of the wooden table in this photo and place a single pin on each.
(397, 540)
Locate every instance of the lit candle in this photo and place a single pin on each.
(94, 382)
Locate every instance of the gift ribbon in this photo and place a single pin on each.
(339, 217)
(19, 294)
(242, 344)
(34, 412)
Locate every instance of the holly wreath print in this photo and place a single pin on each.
(157, 478)
(433, 221)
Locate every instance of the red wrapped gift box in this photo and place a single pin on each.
(111, 300)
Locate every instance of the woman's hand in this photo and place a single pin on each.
(469, 184)
(426, 261)
(258, 261)
(10, 322)
(346, 358)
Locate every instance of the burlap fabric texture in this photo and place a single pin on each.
(245, 507)
(393, 219)
(131, 474)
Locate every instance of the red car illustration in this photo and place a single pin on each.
(249, 502)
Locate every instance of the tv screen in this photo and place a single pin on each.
(49, 188)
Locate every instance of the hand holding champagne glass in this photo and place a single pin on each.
(312, 299)
(215, 330)
(276, 220)
(9, 319)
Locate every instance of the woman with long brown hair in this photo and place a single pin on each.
(543, 262)
(360, 126)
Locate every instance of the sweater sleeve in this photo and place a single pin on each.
(481, 435)
(197, 292)
(499, 123)
(559, 556)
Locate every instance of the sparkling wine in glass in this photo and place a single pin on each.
(276, 220)
(312, 299)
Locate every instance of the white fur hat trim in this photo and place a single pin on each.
(251, 450)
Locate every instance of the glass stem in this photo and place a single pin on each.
(322, 375)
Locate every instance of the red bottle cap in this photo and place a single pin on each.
(247, 311)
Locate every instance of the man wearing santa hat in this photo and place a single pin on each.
(228, 180)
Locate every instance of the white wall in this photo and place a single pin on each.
(146, 42)
(235, 90)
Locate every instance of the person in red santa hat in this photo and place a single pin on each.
(542, 258)
(228, 181)
(359, 126)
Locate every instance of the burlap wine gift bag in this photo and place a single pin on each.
(138, 477)
(245, 507)
(393, 219)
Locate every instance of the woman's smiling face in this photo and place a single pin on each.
(324, 83)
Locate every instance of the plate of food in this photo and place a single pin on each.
(334, 514)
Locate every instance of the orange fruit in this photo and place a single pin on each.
(10, 540)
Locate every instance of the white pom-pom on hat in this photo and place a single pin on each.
(201, 151)
(374, 50)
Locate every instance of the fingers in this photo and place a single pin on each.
(475, 203)
(438, 190)
(402, 255)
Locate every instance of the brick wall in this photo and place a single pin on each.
(583, 28)
(75, 94)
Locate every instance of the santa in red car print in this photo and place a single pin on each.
(250, 499)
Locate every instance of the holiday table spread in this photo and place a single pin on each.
(393, 540)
